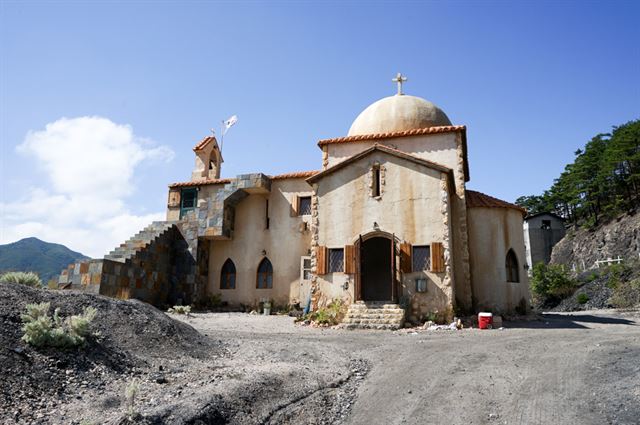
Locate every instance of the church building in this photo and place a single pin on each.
(386, 220)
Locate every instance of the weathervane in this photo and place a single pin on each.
(399, 80)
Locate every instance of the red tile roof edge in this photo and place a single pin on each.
(285, 176)
(202, 143)
(295, 175)
(200, 182)
(478, 199)
(414, 132)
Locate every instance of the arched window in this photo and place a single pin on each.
(228, 275)
(265, 274)
(511, 264)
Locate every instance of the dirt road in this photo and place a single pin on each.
(563, 369)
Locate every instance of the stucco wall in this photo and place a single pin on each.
(492, 232)
(285, 242)
(439, 148)
(411, 207)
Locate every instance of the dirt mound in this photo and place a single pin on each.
(131, 336)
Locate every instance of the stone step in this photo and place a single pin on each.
(377, 311)
(374, 306)
(372, 321)
(375, 316)
(352, 326)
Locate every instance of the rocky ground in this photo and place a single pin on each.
(236, 368)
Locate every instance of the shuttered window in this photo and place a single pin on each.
(336, 260)
(421, 258)
(349, 259)
(321, 260)
(437, 257)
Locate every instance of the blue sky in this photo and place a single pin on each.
(532, 81)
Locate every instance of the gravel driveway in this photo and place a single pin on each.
(562, 369)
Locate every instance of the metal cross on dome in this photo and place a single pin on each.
(399, 80)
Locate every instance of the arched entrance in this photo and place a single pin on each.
(376, 269)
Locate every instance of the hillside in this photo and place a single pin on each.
(32, 254)
(583, 247)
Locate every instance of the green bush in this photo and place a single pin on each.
(626, 294)
(551, 282)
(582, 298)
(40, 330)
(180, 309)
(617, 273)
(330, 315)
(23, 278)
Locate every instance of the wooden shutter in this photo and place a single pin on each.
(174, 198)
(294, 206)
(437, 257)
(405, 257)
(349, 259)
(321, 260)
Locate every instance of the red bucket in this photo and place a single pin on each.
(485, 320)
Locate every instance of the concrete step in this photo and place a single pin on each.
(380, 315)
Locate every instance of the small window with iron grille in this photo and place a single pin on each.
(304, 205)
(336, 260)
(421, 258)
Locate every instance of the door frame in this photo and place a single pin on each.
(358, 246)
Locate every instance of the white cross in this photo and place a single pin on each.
(399, 80)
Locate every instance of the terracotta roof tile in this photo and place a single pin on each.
(478, 199)
(295, 175)
(204, 182)
(203, 143)
(415, 132)
(200, 182)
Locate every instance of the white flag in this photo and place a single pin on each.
(229, 123)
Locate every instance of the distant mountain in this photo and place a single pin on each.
(33, 255)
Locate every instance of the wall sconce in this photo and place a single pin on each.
(526, 266)
(264, 253)
(376, 226)
(345, 285)
(421, 284)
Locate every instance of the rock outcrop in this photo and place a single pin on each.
(581, 248)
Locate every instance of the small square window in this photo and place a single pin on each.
(336, 260)
(304, 205)
(421, 258)
(306, 268)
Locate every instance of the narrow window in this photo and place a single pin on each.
(376, 180)
(266, 213)
(421, 258)
(511, 265)
(336, 260)
(228, 275)
(265, 274)
(305, 268)
(304, 205)
(188, 200)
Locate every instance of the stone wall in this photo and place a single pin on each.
(171, 270)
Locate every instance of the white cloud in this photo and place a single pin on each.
(90, 164)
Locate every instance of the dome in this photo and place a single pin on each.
(398, 113)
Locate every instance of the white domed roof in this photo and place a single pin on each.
(398, 113)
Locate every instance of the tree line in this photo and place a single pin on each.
(602, 181)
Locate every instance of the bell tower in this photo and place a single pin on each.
(208, 160)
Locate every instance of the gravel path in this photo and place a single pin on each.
(243, 369)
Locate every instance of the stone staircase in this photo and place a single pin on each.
(373, 315)
(139, 241)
